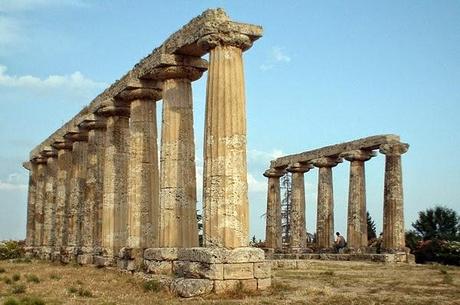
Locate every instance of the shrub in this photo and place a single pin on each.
(10, 250)
(16, 277)
(152, 285)
(2, 270)
(32, 301)
(11, 301)
(55, 276)
(7, 280)
(18, 288)
(84, 293)
(72, 290)
(32, 278)
(444, 252)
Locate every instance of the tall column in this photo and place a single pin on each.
(49, 208)
(39, 200)
(393, 199)
(325, 206)
(273, 229)
(93, 202)
(31, 166)
(64, 169)
(225, 186)
(357, 220)
(298, 229)
(77, 188)
(115, 185)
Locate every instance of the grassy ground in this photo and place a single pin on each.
(354, 283)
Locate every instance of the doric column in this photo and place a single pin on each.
(225, 186)
(143, 179)
(357, 220)
(298, 229)
(393, 199)
(93, 198)
(49, 208)
(64, 170)
(31, 194)
(115, 185)
(325, 206)
(273, 229)
(39, 199)
(77, 187)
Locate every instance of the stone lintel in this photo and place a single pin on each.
(358, 155)
(394, 149)
(273, 173)
(369, 143)
(326, 162)
(299, 167)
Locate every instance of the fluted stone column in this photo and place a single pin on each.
(357, 220)
(40, 200)
(393, 202)
(64, 169)
(115, 185)
(298, 229)
(77, 188)
(225, 186)
(273, 229)
(91, 239)
(325, 207)
(49, 208)
(31, 166)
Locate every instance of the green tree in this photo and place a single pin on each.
(439, 223)
(371, 232)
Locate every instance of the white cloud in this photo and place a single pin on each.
(276, 56)
(14, 181)
(279, 55)
(264, 156)
(255, 185)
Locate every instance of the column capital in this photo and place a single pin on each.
(112, 108)
(27, 165)
(76, 135)
(62, 144)
(38, 160)
(49, 152)
(358, 155)
(326, 161)
(140, 89)
(299, 167)
(274, 173)
(178, 66)
(234, 39)
(92, 122)
(394, 149)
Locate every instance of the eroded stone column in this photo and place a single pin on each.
(273, 229)
(393, 201)
(226, 210)
(31, 195)
(77, 188)
(91, 241)
(115, 185)
(298, 228)
(325, 207)
(64, 170)
(357, 220)
(49, 208)
(40, 199)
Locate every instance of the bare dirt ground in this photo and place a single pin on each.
(323, 283)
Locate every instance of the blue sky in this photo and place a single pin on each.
(324, 73)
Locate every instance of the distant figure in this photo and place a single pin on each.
(379, 243)
(339, 243)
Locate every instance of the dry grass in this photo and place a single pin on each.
(324, 283)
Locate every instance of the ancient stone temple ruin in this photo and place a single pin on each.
(100, 194)
(325, 159)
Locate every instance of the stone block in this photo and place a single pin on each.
(187, 288)
(161, 254)
(231, 285)
(262, 270)
(303, 264)
(122, 263)
(159, 267)
(102, 261)
(219, 255)
(198, 270)
(263, 284)
(287, 264)
(239, 271)
(85, 259)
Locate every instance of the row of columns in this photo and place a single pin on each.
(100, 188)
(393, 217)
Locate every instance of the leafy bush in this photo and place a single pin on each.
(2, 270)
(152, 285)
(32, 278)
(11, 301)
(440, 251)
(16, 277)
(18, 288)
(11, 249)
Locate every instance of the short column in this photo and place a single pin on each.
(273, 229)
(298, 229)
(31, 194)
(115, 185)
(49, 208)
(357, 220)
(325, 206)
(40, 200)
(393, 199)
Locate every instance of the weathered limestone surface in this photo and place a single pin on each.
(31, 194)
(393, 207)
(40, 200)
(298, 237)
(325, 207)
(49, 207)
(225, 187)
(115, 198)
(273, 228)
(357, 219)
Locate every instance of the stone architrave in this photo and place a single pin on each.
(31, 194)
(393, 202)
(357, 219)
(49, 208)
(77, 187)
(325, 206)
(39, 199)
(298, 228)
(91, 241)
(178, 220)
(115, 185)
(273, 229)
(64, 169)
(225, 186)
